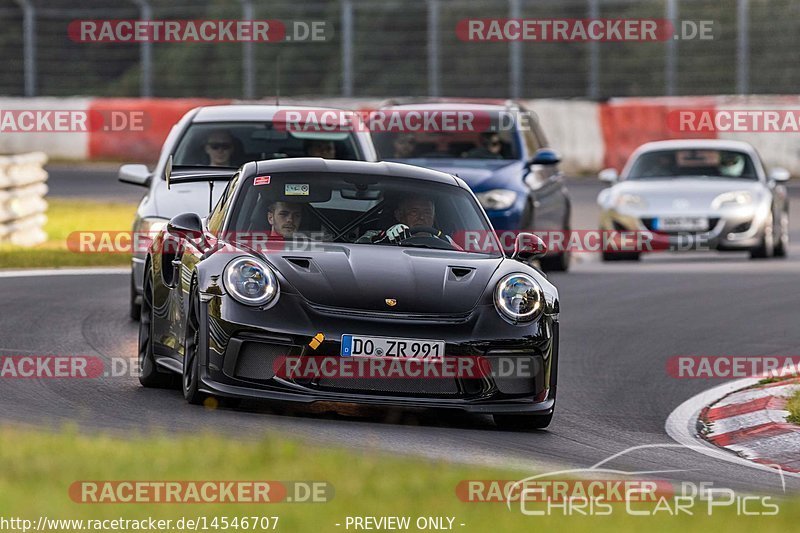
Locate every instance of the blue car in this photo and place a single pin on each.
(498, 149)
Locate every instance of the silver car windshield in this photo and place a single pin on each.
(700, 163)
(232, 144)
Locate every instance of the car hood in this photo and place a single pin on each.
(480, 175)
(363, 277)
(684, 194)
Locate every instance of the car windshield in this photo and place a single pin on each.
(359, 209)
(489, 136)
(231, 144)
(703, 163)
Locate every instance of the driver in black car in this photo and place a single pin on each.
(412, 212)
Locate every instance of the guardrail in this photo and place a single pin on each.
(22, 203)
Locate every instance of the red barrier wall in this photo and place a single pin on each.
(627, 124)
(158, 117)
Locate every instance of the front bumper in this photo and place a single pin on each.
(242, 356)
(733, 230)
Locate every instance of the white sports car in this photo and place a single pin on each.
(698, 194)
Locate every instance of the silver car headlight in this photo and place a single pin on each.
(250, 281)
(519, 298)
(732, 199)
(145, 234)
(497, 198)
(630, 200)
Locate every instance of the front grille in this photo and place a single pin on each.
(256, 360)
(649, 223)
(434, 387)
(339, 312)
(741, 228)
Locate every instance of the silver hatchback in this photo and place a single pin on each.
(219, 139)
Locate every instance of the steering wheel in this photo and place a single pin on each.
(435, 233)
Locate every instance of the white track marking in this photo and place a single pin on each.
(40, 272)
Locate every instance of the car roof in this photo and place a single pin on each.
(453, 105)
(682, 144)
(250, 112)
(383, 168)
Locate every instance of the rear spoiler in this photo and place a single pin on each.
(221, 175)
(209, 177)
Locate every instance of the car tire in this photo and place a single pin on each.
(192, 347)
(766, 248)
(782, 246)
(522, 422)
(134, 309)
(621, 256)
(149, 374)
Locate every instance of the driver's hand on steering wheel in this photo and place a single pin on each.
(397, 233)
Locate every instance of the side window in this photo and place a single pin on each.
(217, 215)
(531, 132)
(530, 140)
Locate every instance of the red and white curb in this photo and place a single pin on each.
(752, 424)
(685, 426)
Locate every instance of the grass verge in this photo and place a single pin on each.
(65, 216)
(793, 405)
(38, 469)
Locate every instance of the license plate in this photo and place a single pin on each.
(367, 346)
(681, 224)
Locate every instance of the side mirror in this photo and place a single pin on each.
(608, 175)
(528, 246)
(779, 174)
(186, 226)
(134, 175)
(545, 156)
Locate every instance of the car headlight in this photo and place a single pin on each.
(250, 281)
(630, 200)
(732, 199)
(146, 233)
(519, 298)
(497, 198)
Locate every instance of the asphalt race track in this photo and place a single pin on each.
(619, 325)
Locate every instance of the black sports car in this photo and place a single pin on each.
(341, 281)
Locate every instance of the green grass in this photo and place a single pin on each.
(794, 408)
(63, 218)
(38, 469)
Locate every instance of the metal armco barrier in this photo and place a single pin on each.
(22, 203)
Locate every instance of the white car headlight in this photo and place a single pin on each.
(732, 199)
(519, 298)
(250, 281)
(497, 198)
(630, 200)
(148, 229)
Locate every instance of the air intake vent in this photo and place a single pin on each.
(302, 263)
(461, 273)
